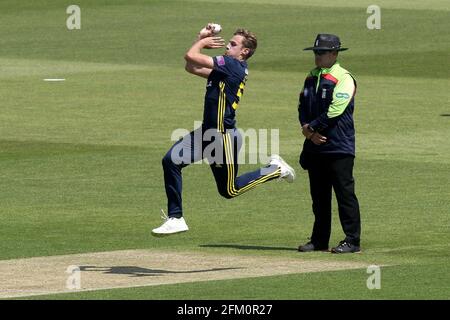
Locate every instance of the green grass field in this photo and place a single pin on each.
(80, 160)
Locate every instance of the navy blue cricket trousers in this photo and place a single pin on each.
(221, 150)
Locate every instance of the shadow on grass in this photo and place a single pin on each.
(247, 247)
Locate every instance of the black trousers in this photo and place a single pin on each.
(327, 172)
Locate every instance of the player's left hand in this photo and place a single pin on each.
(213, 42)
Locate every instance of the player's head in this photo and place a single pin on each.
(242, 45)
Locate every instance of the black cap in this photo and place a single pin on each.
(327, 42)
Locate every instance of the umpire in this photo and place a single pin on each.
(325, 111)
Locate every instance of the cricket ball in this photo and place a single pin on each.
(216, 28)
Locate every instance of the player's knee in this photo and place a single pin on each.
(224, 192)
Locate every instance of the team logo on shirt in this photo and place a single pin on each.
(342, 95)
(220, 60)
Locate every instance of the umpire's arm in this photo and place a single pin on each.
(342, 95)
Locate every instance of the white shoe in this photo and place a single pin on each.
(170, 226)
(287, 173)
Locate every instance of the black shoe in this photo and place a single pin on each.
(308, 247)
(346, 247)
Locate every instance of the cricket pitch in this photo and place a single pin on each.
(137, 268)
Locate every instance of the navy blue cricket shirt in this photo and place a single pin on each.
(224, 88)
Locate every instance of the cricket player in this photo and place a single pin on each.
(226, 77)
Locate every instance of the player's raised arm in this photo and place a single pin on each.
(194, 55)
(198, 63)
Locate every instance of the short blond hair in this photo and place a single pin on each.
(250, 42)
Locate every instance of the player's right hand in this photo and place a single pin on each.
(207, 31)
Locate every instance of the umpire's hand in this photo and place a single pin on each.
(318, 139)
(315, 137)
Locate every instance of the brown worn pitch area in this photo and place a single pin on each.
(135, 268)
